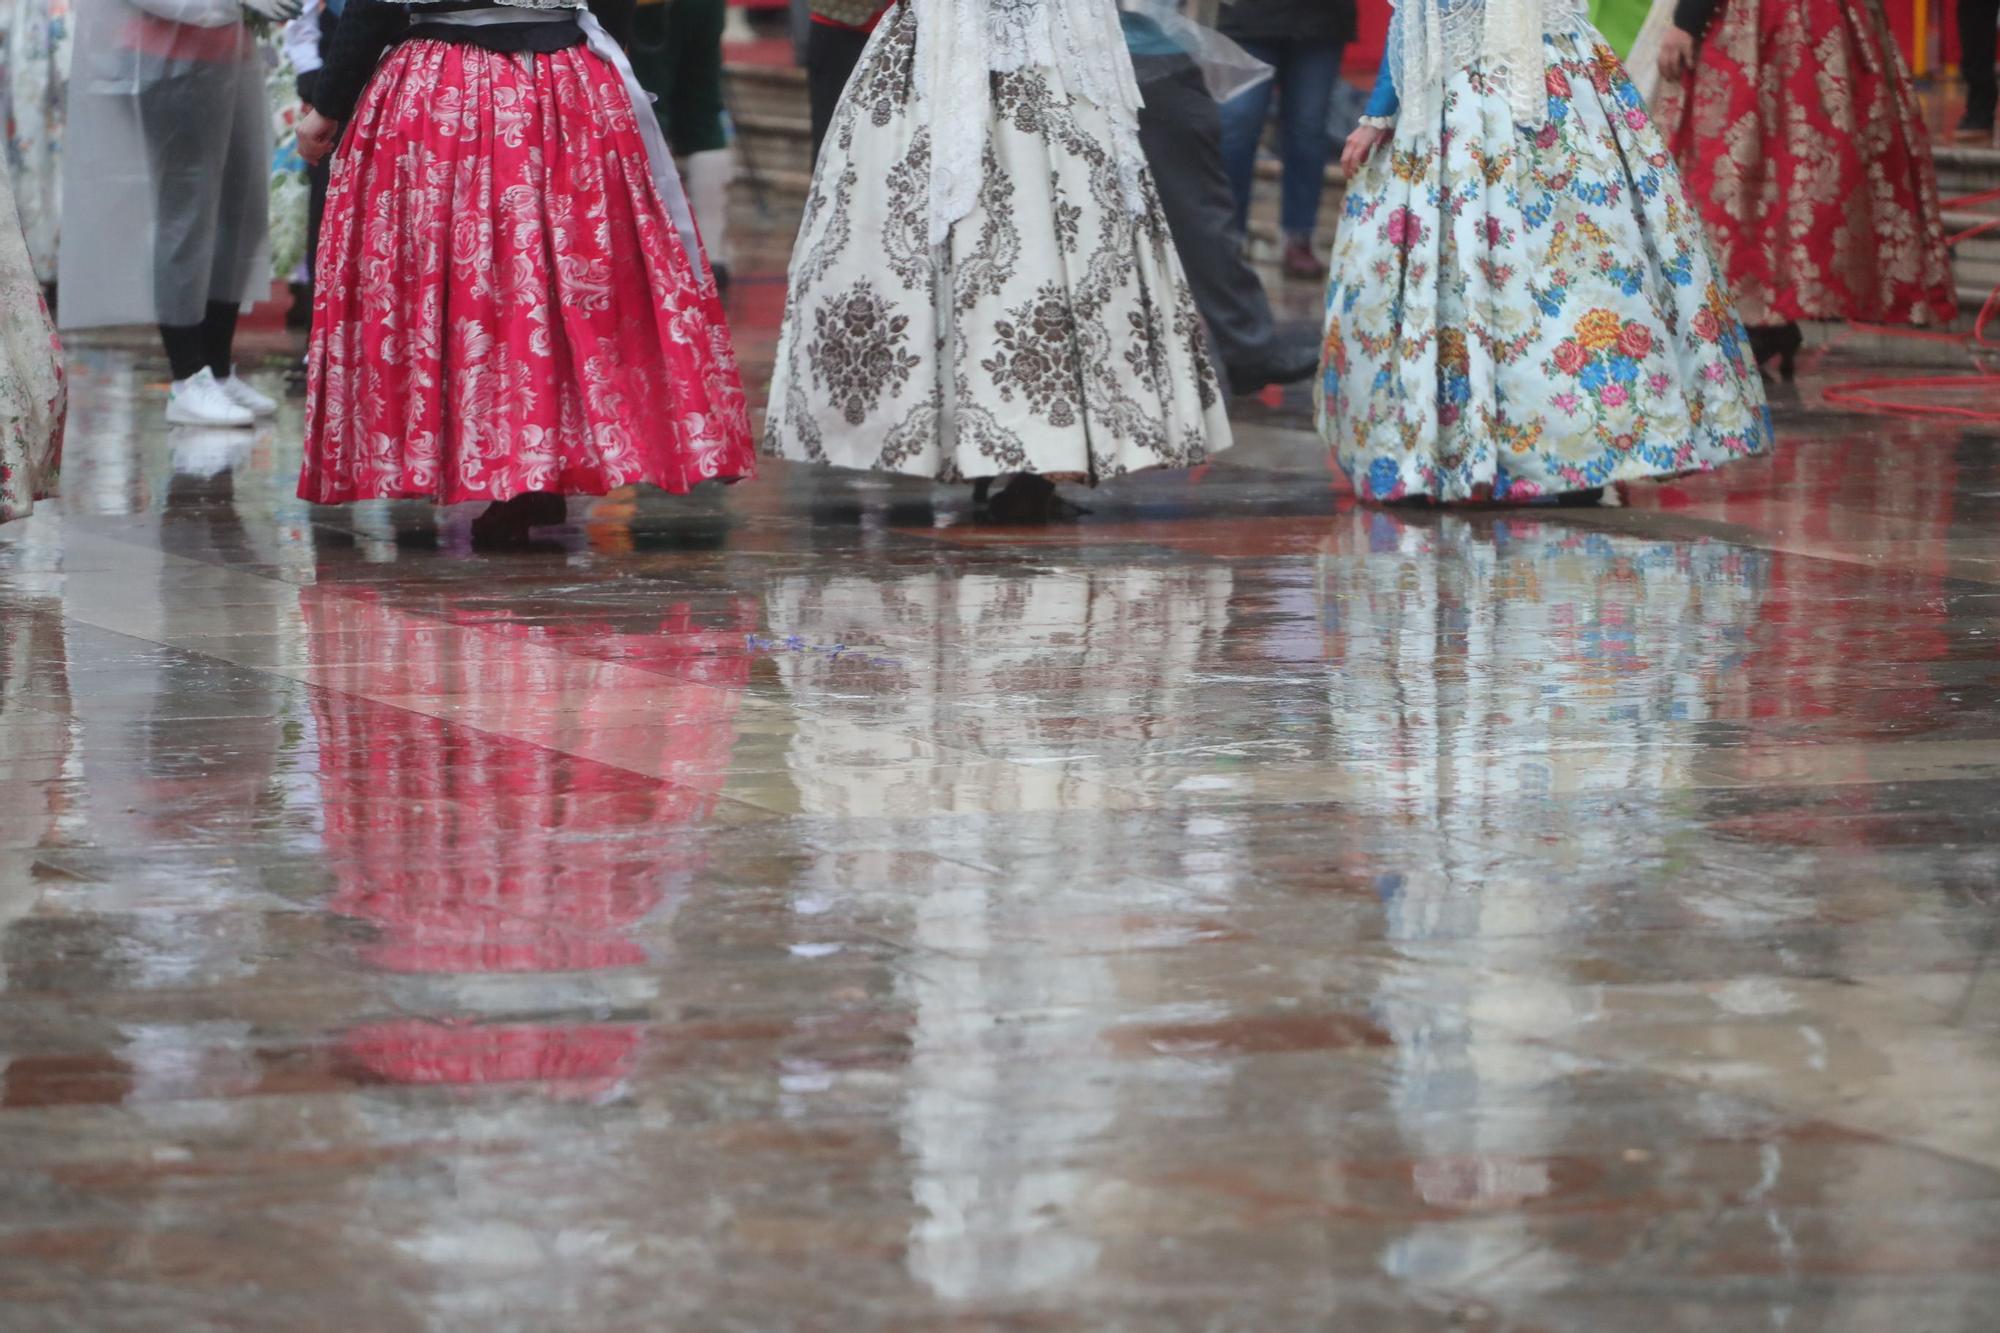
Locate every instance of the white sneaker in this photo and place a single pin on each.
(241, 394)
(200, 400)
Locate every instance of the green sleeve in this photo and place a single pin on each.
(1620, 21)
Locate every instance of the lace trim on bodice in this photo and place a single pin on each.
(1430, 40)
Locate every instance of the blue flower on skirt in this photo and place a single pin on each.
(1383, 475)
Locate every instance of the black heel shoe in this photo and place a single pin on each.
(505, 524)
(1779, 342)
(1029, 498)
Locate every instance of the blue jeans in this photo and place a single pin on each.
(1305, 73)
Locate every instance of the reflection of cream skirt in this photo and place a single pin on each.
(1644, 62)
(1052, 333)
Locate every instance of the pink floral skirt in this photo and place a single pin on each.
(503, 304)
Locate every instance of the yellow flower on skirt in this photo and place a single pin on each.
(1598, 329)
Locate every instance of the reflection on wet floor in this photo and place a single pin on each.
(804, 907)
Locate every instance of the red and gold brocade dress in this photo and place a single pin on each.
(1800, 139)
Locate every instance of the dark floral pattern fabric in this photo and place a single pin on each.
(1053, 332)
(861, 350)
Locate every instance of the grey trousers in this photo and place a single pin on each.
(211, 168)
(1181, 134)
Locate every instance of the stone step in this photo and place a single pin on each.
(1963, 169)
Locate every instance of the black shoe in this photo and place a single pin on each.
(721, 272)
(1030, 499)
(1290, 366)
(505, 524)
(1779, 342)
(1975, 127)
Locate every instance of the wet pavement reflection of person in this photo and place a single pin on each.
(1008, 692)
(799, 905)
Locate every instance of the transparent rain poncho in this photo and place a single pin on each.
(166, 163)
(1226, 68)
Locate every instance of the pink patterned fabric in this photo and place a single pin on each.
(503, 304)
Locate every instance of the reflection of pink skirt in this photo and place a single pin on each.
(503, 303)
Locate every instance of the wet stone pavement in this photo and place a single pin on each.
(804, 907)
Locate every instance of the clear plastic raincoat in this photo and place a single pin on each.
(167, 161)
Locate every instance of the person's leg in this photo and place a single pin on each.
(693, 100)
(173, 108)
(218, 338)
(1309, 72)
(1242, 118)
(655, 62)
(707, 176)
(242, 218)
(243, 213)
(700, 145)
(185, 350)
(1976, 42)
(1181, 133)
(831, 55)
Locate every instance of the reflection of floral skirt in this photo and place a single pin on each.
(1556, 326)
(1055, 334)
(503, 303)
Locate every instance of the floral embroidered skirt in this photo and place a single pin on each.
(1053, 333)
(1804, 146)
(503, 304)
(1516, 313)
(33, 399)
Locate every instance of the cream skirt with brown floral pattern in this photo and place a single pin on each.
(1053, 332)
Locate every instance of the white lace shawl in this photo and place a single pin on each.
(1432, 39)
(961, 42)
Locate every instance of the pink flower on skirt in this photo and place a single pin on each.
(1402, 228)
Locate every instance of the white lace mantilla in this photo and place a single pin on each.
(961, 42)
(1432, 39)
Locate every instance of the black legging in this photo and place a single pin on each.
(831, 55)
(1976, 19)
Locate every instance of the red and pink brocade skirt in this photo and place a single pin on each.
(503, 304)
